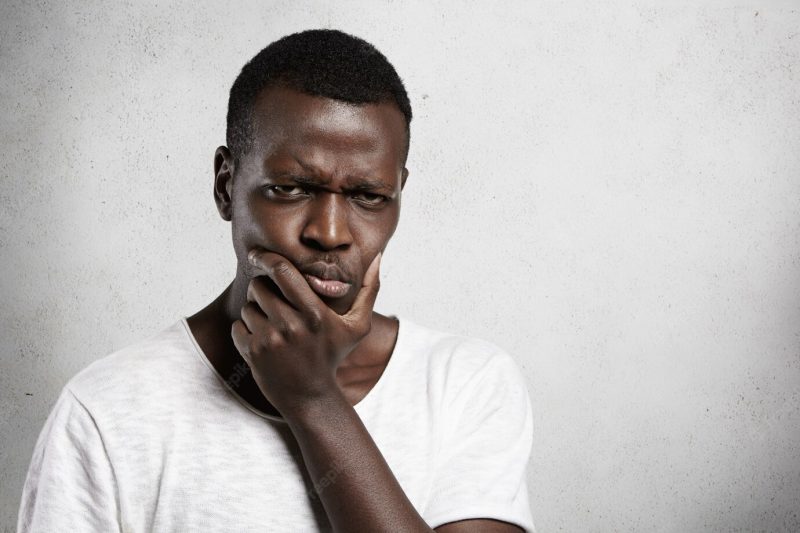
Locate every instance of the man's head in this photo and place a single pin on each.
(318, 128)
(327, 63)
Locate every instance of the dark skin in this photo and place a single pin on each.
(313, 205)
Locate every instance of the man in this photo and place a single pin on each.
(287, 404)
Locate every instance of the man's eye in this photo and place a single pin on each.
(287, 191)
(368, 198)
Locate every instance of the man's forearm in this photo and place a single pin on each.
(355, 484)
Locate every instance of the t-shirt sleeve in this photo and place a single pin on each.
(482, 460)
(70, 484)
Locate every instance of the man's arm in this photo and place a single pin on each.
(356, 486)
(293, 345)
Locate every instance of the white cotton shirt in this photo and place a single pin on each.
(151, 438)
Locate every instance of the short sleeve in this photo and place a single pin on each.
(70, 484)
(481, 466)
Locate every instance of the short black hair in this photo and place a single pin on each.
(327, 63)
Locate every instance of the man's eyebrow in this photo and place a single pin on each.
(353, 183)
(301, 179)
(367, 184)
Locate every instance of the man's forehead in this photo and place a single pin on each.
(283, 101)
(282, 115)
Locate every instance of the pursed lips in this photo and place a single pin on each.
(326, 280)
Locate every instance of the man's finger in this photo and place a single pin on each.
(251, 314)
(262, 292)
(240, 335)
(289, 280)
(361, 310)
(271, 305)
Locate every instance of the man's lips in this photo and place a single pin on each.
(329, 288)
(326, 280)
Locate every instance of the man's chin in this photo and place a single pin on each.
(339, 305)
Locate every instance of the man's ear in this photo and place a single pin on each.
(404, 178)
(223, 181)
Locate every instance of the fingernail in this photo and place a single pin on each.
(251, 256)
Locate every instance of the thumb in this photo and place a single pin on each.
(360, 312)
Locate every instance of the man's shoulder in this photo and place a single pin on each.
(457, 355)
(145, 364)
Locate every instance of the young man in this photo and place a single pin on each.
(287, 404)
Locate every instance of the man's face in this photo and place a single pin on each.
(320, 186)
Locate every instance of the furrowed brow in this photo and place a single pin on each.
(368, 184)
(307, 181)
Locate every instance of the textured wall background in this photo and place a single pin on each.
(609, 190)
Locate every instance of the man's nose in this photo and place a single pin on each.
(328, 224)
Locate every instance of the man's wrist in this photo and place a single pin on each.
(312, 411)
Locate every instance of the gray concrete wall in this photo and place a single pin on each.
(609, 190)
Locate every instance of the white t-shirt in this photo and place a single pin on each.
(151, 438)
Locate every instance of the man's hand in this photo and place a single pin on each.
(291, 340)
